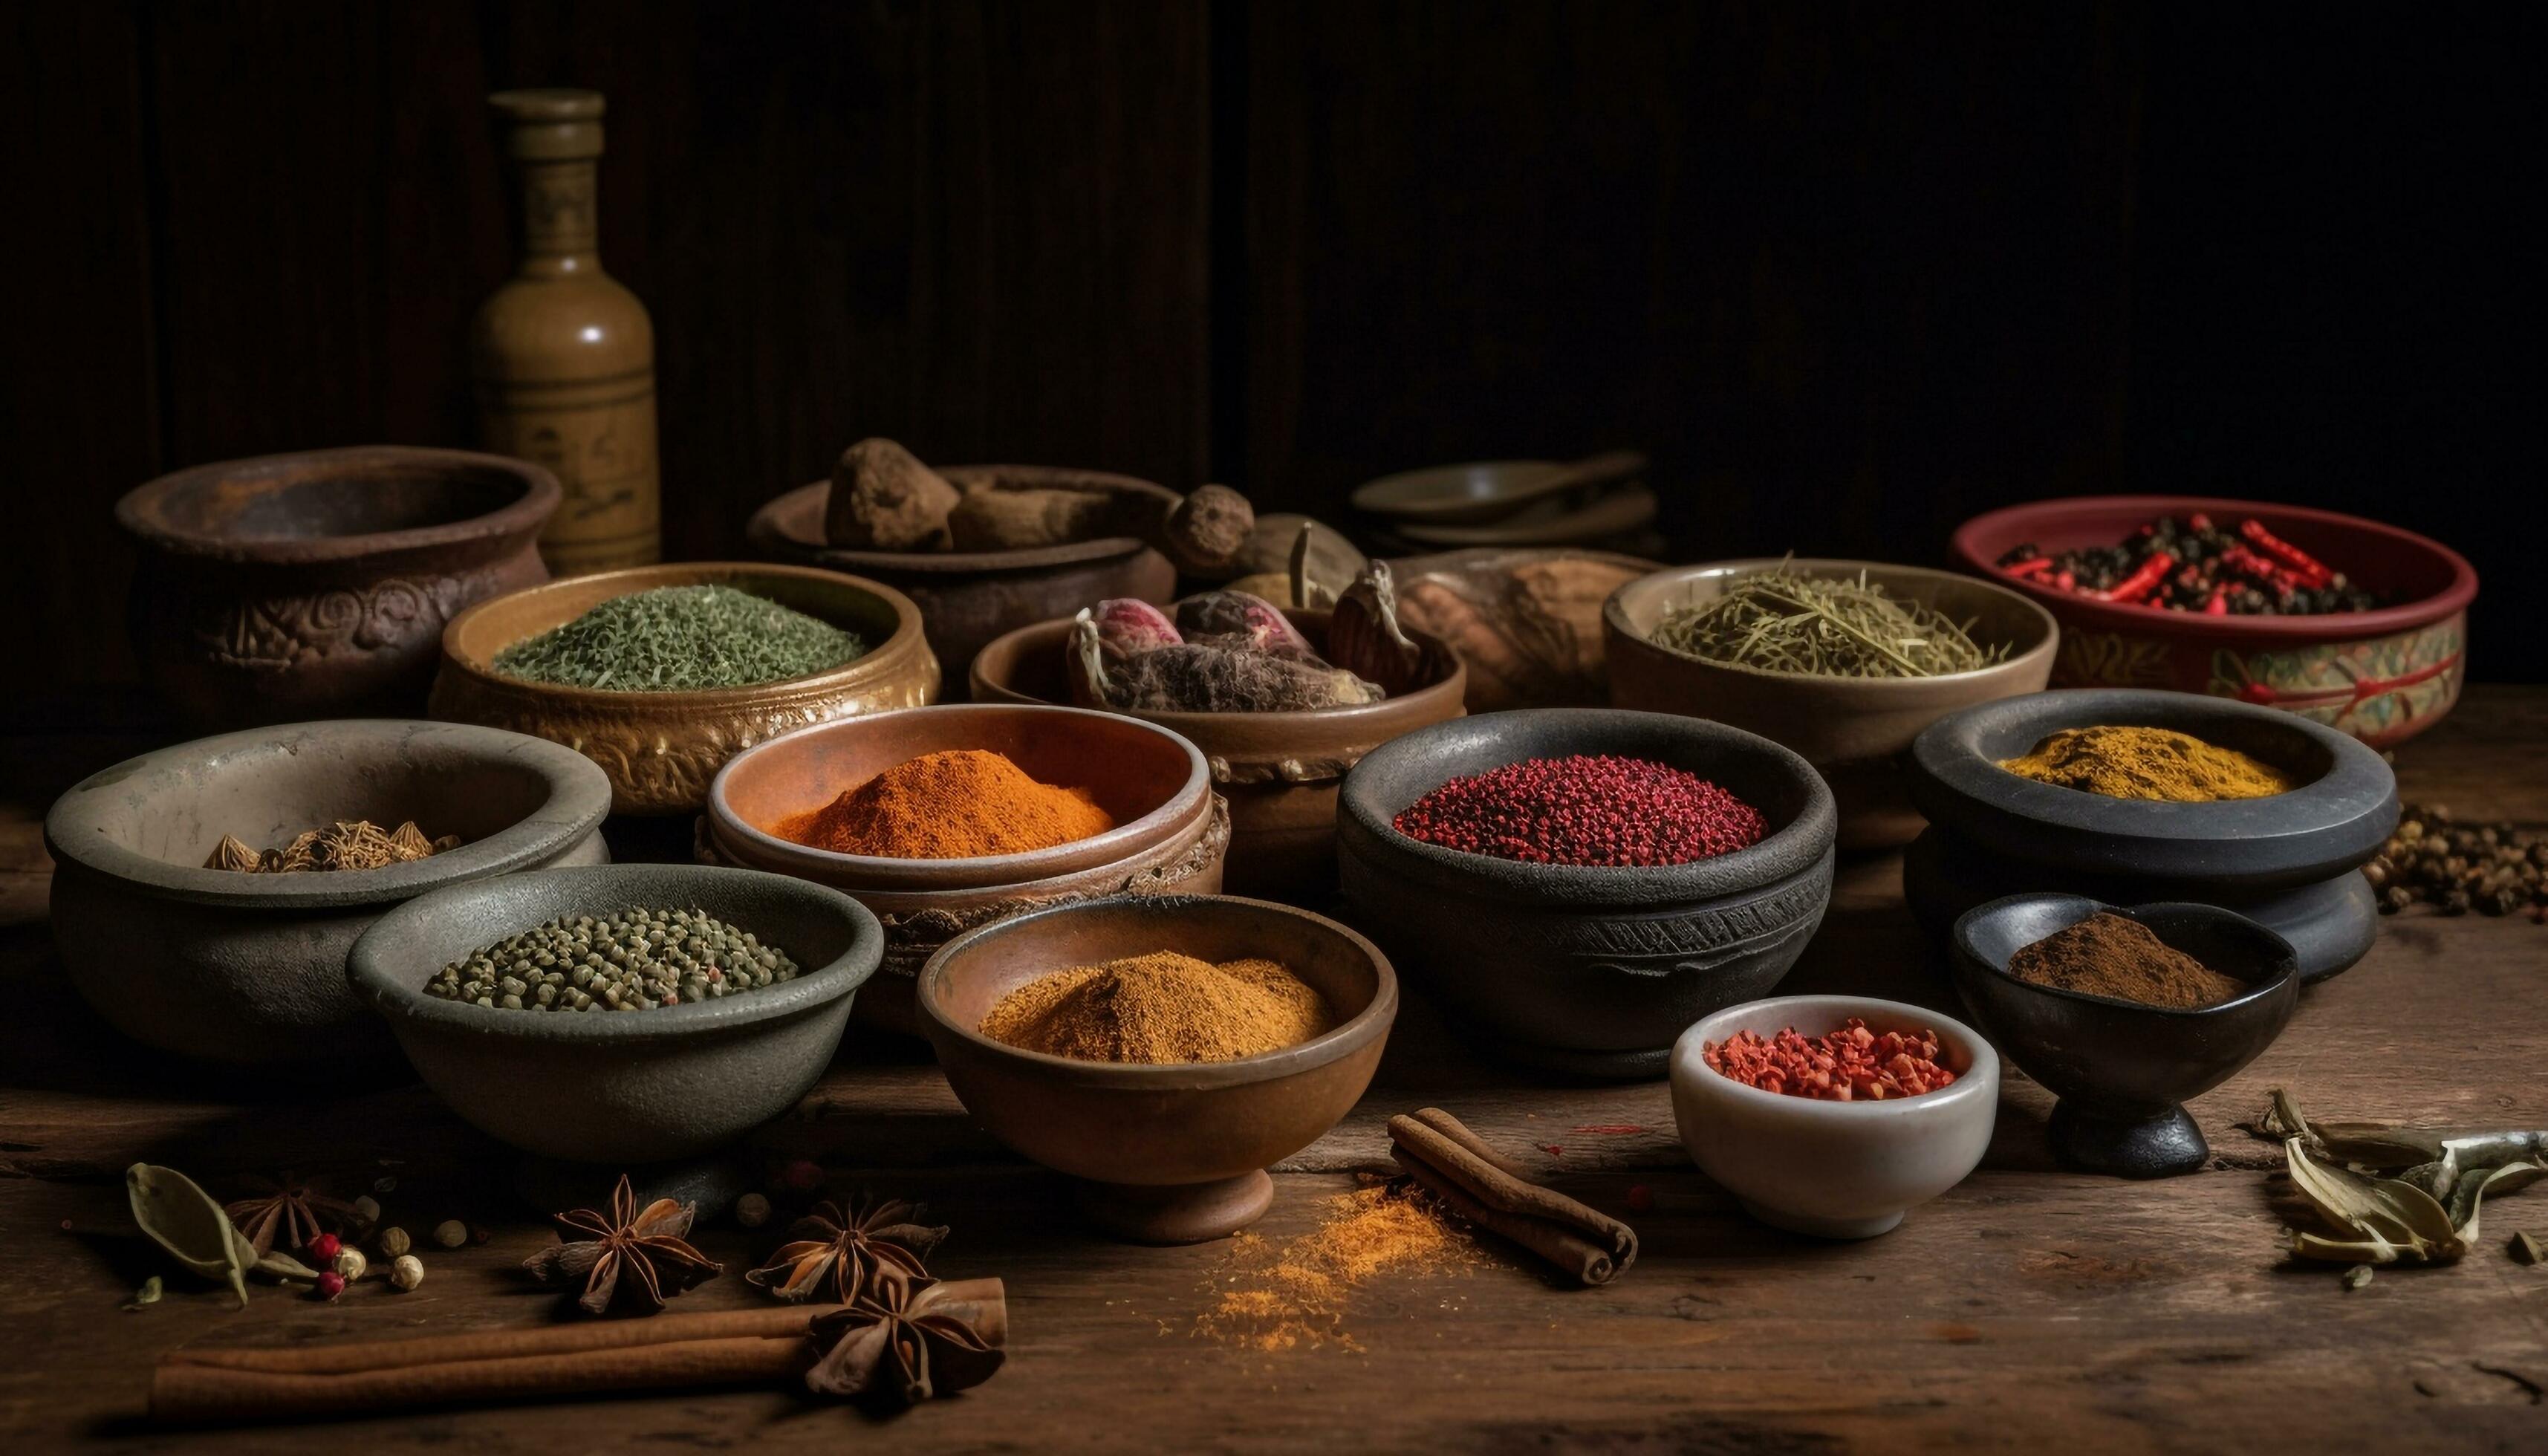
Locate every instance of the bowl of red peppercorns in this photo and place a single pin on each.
(2356, 625)
(1574, 885)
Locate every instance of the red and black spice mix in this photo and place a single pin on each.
(2196, 565)
(1587, 809)
(1852, 1064)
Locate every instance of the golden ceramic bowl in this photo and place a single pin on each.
(662, 749)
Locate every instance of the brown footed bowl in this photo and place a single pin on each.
(1170, 1154)
(1171, 829)
(968, 597)
(315, 585)
(1854, 731)
(1280, 771)
(661, 749)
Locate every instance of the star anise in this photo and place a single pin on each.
(291, 1207)
(908, 1342)
(865, 1246)
(636, 1252)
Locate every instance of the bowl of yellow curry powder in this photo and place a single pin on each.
(2132, 796)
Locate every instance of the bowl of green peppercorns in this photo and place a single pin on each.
(621, 1014)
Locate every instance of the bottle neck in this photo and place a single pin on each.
(559, 228)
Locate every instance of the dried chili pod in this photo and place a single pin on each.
(1365, 639)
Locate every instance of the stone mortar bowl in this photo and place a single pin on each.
(628, 1087)
(2287, 862)
(661, 749)
(1170, 836)
(968, 597)
(1167, 1153)
(1585, 969)
(249, 970)
(1279, 770)
(1854, 731)
(2122, 1069)
(1834, 1169)
(317, 585)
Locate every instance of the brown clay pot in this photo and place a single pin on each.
(315, 585)
(1279, 770)
(661, 749)
(1171, 829)
(968, 597)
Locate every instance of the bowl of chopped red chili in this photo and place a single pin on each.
(1574, 885)
(2346, 622)
(1834, 1114)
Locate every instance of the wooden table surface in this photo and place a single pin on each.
(2028, 1306)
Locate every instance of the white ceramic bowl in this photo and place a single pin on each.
(1837, 1169)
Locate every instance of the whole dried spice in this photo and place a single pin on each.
(1584, 809)
(1227, 652)
(2491, 868)
(291, 1208)
(850, 1253)
(905, 1344)
(1852, 1064)
(2386, 1194)
(634, 1257)
(355, 844)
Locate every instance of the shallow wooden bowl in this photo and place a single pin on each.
(1280, 771)
(661, 749)
(1167, 1153)
(968, 597)
(1854, 731)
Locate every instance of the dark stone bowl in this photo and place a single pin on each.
(1580, 970)
(628, 1087)
(249, 970)
(2287, 861)
(2122, 1069)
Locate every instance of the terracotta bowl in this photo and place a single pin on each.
(1280, 771)
(1167, 1153)
(1585, 969)
(968, 597)
(317, 585)
(1171, 829)
(1854, 731)
(249, 970)
(2382, 676)
(661, 749)
(621, 1088)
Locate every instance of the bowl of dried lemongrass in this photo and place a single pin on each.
(1844, 662)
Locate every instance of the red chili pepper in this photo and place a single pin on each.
(2313, 570)
(2143, 579)
(2027, 567)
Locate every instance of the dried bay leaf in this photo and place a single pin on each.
(2392, 1194)
(183, 1220)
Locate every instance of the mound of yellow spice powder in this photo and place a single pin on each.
(2138, 762)
(1269, 1298)
(1161, 1007)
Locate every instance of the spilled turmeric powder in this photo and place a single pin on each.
(1269, 1298)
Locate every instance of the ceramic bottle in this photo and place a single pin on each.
(564, 356)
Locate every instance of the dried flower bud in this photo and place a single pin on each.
(351, 1264)
(331, 1285)
(752, 1210)
(407, 1271)
(367, 1211)
(394, 1242)
(451, 1234)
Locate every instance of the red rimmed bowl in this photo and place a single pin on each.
(2382, 676)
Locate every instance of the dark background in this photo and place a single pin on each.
(1850, 273)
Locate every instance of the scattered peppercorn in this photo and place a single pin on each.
(630, 961)
(407, 1271)
(331, 1285)
(323, 1249)
(351, 1264)
(801, 1175)
(451, 1234)
(394, 1242)
(2491, 868)
(752, 1209)
(1852, 1064)
(1587, 809)
(367, 1211)
(1640, 1198)
(2194, 565)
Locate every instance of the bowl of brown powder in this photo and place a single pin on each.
(1163, 1050)
(2124, 1014)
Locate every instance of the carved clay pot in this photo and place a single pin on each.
(968, 597)
(317, 585)
(1279, 770)
(662, 749)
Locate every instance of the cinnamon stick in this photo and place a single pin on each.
(1483, 1187)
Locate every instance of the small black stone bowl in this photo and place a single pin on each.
(2122, 1069)
(1583, 969)
(2286, 862)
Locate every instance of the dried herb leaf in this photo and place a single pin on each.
(183, 1220)
(2398, 1193)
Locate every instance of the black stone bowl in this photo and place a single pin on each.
(1582, 969)
(2122, 1069)
(2286, 862)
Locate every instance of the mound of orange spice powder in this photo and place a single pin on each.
(1852, 1064)
(957, 805)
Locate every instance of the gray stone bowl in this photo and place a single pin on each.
(2287, 862)
(630, 1087)
(1580, 969)
(249, 970)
